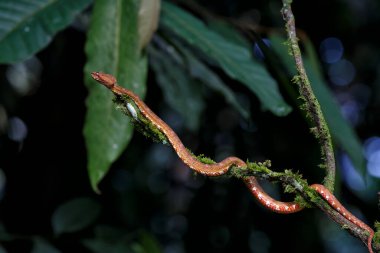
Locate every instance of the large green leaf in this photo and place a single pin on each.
(341, 131)
(112, 47)
(181, 62)
(28, 26)
(74, 215)
(234, 59)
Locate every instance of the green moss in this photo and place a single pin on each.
(296, 79)
(294, 182)
(141, 124)
(289, 189)
(376, 238)
(204, 159)
(238, 172)
(377, 226)
(259, 167)
(151, 131)
(302, 202)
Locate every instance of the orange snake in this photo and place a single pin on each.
(222, 167)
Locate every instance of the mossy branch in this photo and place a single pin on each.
(306, 196)
(311, 104)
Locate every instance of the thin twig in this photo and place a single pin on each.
(312, 107)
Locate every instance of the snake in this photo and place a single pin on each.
(222, 167)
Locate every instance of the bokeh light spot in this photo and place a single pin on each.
(331, 50)
(372, 153)
(373, 165)
(371, 145)
(351, 111)
(17, 129)
(342, 72)
(24, 76)
(352, 177)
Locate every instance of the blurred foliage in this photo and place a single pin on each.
(28, 26)
(74, 215)
(234, 59)
(207, 71)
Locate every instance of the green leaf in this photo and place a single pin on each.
(28, 26)
(112, 47)
(201, 71)
(180, 91)
(234, 59)
(228, 32)
(74, 215)
(40, 245)
(341, 132)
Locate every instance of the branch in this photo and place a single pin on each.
(293, 182)
(311, 105)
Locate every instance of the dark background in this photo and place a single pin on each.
(148, 188)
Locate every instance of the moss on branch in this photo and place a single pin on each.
(305, 195)
(311, 104)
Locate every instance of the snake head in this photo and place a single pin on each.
(106, 79)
